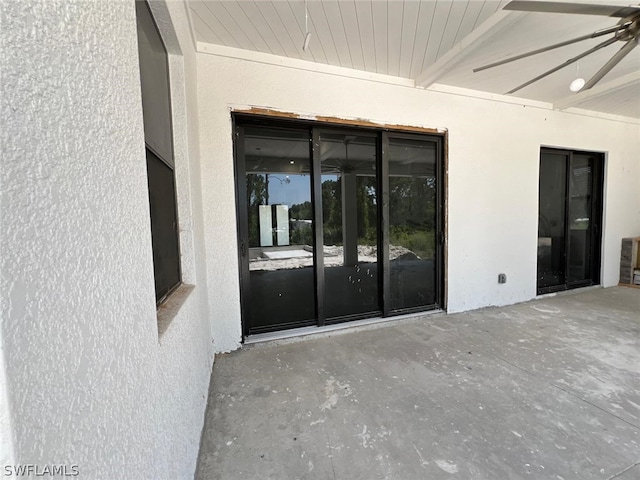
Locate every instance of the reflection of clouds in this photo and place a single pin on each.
(333, 257)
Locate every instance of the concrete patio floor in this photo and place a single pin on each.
(548, 389)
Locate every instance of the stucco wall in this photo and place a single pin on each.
(89, 381)
(494, 147)
(6, 437)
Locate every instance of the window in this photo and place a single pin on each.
(158, 133)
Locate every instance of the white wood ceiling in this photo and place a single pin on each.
(411, 38)
(390, 37)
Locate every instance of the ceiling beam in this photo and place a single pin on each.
(598, 91)
(487, 29)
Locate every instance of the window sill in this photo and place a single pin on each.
(168, 309)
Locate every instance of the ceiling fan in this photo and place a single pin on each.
(627, 30)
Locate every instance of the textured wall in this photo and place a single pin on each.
(494, 149)
(6, 432)
(88, 380)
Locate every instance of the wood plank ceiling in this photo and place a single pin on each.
(407, 38)
(394, 38)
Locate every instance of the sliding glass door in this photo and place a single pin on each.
(551, 220)
(276, 223)
(336, 224)
(349, 224)
(570, 213)
(583, 220)
(413, 222)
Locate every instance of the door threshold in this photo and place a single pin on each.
(327, 330)
(569, 291)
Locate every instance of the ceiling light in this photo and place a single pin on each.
(577, 85)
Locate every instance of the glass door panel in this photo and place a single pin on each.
(413, 224)
(350, 224)
(570, 209)
(281, 285)
(551, 220)
(580, 225)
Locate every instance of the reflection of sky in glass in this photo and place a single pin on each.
(298, 190)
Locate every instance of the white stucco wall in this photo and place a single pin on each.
(88, 381)
(494, 148)
(6, 432)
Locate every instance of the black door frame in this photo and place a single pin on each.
(314, 129)
(317, 131)
(242, 224)
(440, 221)
(597, 214)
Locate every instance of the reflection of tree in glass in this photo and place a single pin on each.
(332, 212)
(300, 216)
(256, 196)
(367, 211)
(366, 208)
(412, 206)
(301, 211)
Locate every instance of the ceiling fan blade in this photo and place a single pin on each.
(599, 33)
(613, 61)
(579, 8)
(606, 43)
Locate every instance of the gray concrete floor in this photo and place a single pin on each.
(548, 389)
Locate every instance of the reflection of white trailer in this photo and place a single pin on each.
(267, 214)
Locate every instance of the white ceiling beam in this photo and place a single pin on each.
(487, 29)
(598, 91)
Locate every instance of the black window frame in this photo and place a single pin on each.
(163, 205)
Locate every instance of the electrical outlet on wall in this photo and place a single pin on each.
(502, 278)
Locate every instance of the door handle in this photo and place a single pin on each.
(243, 248)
